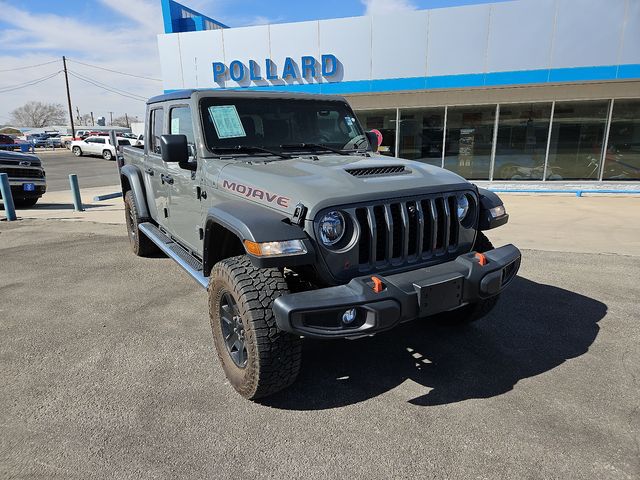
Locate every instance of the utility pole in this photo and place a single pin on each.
(126, 119)
(111, 122)
(66, 79)
(92, 122)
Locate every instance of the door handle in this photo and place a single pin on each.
(149, 171)
(166, 179)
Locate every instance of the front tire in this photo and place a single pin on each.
(77, 151)
(140, 244)
(258, 358)
(107, 155)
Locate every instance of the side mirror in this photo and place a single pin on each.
(174, 148)
(372, 138)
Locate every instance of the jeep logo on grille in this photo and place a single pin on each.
(24, 163)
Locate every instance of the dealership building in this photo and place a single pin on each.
(529, 90)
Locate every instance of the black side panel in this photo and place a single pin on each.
(251, 222)
(489, 200)
(134, 177)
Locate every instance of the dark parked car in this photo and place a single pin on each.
(7, 143)
(26, 177)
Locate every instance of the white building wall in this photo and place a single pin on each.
(527, 41)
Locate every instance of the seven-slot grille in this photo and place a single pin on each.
(399, 231)
(22, 172)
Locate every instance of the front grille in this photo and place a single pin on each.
(377, 171)
(396, 232)
(22, 172)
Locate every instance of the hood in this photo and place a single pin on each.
(333, 180)
(14, 158)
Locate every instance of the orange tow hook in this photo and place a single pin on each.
(378, 286)
(482, 260)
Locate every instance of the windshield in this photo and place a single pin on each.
(277, 124)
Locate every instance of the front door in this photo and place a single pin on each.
(185, 213)
(155, 170)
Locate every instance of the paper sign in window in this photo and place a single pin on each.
(226, 121)
(175, 126)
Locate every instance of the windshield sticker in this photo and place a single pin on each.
(226, 121)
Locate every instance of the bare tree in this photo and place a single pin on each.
(38, 115)
(85, 120)
(124, 121)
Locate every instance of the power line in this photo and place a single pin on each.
(114, 71)
(29, 66)
(109, 89)
(11, 88)
(100, 84)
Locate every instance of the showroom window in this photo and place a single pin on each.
(469, 139)
(521, 143)
(385, 121)
(421, 133)
(577, 135)
(622, 159)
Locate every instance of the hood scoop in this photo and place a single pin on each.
(383, 171)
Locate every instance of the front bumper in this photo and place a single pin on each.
(18, 191)
(405, 296)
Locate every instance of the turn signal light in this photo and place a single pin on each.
(253, 248)
(275, 249)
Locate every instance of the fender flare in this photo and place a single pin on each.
(134, 177)
(489, 200)
(248, 221)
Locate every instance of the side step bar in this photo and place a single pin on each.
(175, 251)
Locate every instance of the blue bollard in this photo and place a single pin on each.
(75, 191)
(7, 198)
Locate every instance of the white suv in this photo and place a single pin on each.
(97, 146)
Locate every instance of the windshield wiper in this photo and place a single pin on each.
(253, 148)
(316, 146)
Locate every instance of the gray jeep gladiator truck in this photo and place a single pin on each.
(279, 206)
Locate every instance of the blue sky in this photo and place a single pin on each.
(121, 35)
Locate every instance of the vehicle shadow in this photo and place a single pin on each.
(533, 329)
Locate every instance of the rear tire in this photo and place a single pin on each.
(258, 358)
(140, 244)
(77, 151)
(107, 155)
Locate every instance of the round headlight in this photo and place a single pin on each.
(463, 206)
(331, 228)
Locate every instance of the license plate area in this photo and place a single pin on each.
(439, 294)
(28, 187)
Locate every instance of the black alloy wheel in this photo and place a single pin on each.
(233, 330)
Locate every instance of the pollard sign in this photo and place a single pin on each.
(308, 68)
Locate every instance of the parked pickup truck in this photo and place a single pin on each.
(26, 177)
(279, 206)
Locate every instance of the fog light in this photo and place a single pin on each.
(349, 316)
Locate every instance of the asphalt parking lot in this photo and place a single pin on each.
(92, 171)
(108, 370)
